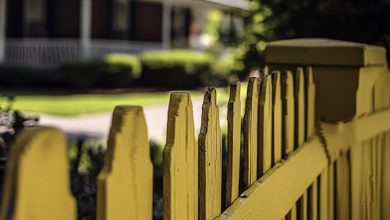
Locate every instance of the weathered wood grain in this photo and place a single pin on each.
(37, 185)
(234, 141)
(125, 184)
(210, 158)
(250, 133)
(265, 126)
(180, 161)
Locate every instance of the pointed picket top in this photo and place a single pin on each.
(37, 184)
(234, 141)
(180, 161)
(251, 132)
(125, 183)
(310, 94)
(288, 139)
(277, 117)
(210, 158)
(265, 126)
(299, 96)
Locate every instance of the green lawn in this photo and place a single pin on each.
(73, 105)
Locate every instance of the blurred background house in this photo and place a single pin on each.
(46, 32)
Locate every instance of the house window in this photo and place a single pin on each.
(146, 21)
(120, 24)
(34, 18)
(181, 19)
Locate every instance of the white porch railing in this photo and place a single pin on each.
(48, 52)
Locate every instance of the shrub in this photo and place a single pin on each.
(122, 69)
(113, 70)
(175, 68)
(83, 73)
(19, 75)
(227, 65)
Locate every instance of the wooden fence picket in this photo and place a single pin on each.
(324, 195)
(265, 126)
(210, 158)
(313, 201)
(299, 97)
(276, 118)
(180, 161)
(342, 188)
(293, 166)
(251, 132)
(310, 93)
(288, 139)
(37, 185)
(309, 88)
(331, 186)
(300, 127)
(125, 184)
(234, 142)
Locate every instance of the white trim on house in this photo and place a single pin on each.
(3, 17)
(220, 4)
(237, 4)
(86, 27)
(166, 28)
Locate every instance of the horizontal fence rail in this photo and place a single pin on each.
(286, 158)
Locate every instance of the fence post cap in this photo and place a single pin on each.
(327, 52)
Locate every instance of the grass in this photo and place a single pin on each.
(81, 104)
(73, 105)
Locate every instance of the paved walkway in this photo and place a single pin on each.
(98, 125)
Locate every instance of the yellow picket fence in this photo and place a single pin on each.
(313, 143)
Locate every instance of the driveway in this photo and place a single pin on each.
(98, 125)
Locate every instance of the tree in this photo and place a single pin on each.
(352, 20)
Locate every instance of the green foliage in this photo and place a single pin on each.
(83, 73)
(79, 104)
(213, 24)
(114, 70)
(18, 75)
(359, 21)
(229, 64)
(175, 68)
(124, 62)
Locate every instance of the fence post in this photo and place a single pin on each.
(350, 82)
(37, 183)
(344, 73)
